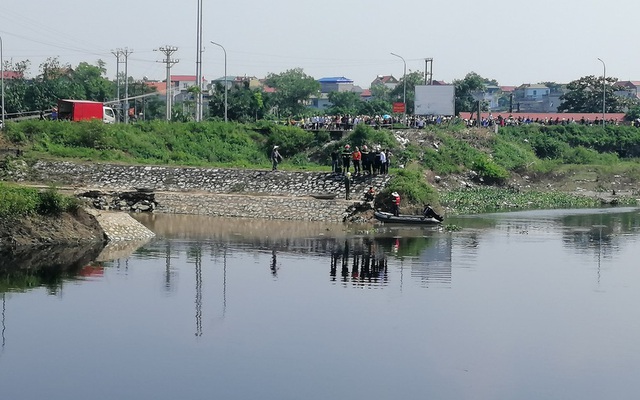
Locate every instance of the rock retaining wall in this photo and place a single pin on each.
(212, 180)
(210, 191)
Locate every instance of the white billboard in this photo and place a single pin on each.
(435, 100)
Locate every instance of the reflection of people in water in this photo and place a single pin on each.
(274, 263)
(368, 266)
(396, 245)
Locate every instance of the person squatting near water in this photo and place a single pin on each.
(396, 203)
(370, 194)
(275, 158)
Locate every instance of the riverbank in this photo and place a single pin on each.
(80, 227)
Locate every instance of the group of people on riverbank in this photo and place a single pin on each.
(511, 120)
(349, 122)
(364, 161)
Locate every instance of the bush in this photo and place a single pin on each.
(489, 170)
(51, 202)
(18, 201)
(412, 185)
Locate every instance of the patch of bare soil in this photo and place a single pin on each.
(68, 228)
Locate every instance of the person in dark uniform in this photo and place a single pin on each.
(346, 158)
(365, 160)
(335, 160)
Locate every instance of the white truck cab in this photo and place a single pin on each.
(108, 115)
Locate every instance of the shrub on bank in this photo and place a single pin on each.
(412, 185)
(20, 201)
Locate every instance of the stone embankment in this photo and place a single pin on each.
(119, 227)
(208, 191)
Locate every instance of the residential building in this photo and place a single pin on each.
(335, 84)
(9, 75)
(386, 80)
(535, 98)
(627, 88)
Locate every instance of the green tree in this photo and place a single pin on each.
(375, 107)
(465, 88)
(243, 103)
(92, 78)
(344, 103)
(585, 95)
(54, 82)
(554, 87)
(381, 92)
(16, 88)
(293, 89)
(412, 78)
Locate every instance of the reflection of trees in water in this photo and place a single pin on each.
(598, 233)
(31, 267)
(361, 260)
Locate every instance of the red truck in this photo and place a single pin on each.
(82, 110)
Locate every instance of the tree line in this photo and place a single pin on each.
(290, 97)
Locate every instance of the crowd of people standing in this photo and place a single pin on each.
(365, 161)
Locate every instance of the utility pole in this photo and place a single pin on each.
(168, 51)
(199, 64)
(428, 71)
(2, 86)
(126, 52)
(118, 54)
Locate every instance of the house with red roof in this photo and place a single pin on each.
(627, 88)
(385, 80)
(8, 75)
(184, 82)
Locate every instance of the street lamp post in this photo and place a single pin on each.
(604, 87)
(199, 105)
(2, 79)
(226, 107)
(404, 81)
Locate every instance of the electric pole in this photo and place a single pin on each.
(126, 52)
(428, 71)
(118, 54)
(168, 51)
(199, 64)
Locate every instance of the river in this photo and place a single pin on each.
(526, 305)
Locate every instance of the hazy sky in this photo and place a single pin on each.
(512, 41)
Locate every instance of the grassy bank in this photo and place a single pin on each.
(587, 153)
(18, 201)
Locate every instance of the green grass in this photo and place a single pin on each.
(537, 151)
(490, 199)
(16, 201)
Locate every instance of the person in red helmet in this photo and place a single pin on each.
(396, 203)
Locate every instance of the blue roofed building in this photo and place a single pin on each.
(335, 84)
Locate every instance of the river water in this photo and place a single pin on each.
(528, 305)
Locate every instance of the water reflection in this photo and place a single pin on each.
(4, 326)
(253, 313)
(26, 268)
(368, 265)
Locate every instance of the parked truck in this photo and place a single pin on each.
(83, 110)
